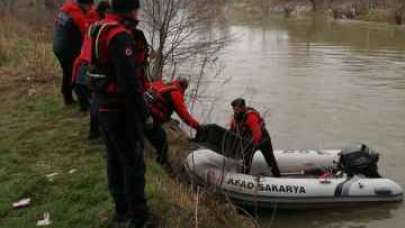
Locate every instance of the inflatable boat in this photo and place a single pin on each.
(309, 179)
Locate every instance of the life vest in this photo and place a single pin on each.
(77, 14)
(93, 16)
(157, 99)
(241, 127)
(85, 52)
(83, 59)
(101, 34)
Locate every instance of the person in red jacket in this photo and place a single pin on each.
(79, 76)
(70, 28)
(248, 123)
(162, 100)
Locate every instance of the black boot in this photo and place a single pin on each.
(144, 222)
(68, 99)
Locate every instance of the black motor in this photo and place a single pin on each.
(359, 159)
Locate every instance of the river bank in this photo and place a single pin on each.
(45, 154)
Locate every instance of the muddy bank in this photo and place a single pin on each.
(210, 209)
(179, 146)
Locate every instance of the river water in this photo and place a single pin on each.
(321, 84)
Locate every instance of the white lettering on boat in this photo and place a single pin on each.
(297, 189)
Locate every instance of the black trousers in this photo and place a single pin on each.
(266, 148)
(80, 86)
(157, 137)
(83, 96)
(94, 130)
(66, 63)
(125, 162)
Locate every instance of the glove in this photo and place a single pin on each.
(149, 123)
(200, 134)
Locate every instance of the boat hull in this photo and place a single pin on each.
(294, 190)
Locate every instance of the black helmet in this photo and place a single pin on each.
(183, 82)
(238, 102)
(102, 6)
(85, 1)
(124, 6)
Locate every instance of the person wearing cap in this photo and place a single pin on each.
(162, 100)
(70, 27)
(247, 123)
(118, 87)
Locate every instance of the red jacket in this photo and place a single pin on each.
(251, 126)
(78, 15)
(83, 58)
(92, 16)
(174, 101)
(85, 52)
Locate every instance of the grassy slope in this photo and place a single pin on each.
(39, 136)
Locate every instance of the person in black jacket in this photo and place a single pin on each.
(122, 112)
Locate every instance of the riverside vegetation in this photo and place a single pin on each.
(391, 11)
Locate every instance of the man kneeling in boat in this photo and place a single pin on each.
(247, 123)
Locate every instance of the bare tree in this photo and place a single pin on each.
(181, 31)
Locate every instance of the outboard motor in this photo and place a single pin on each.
(359, 159)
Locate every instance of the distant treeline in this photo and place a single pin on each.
(38, 11)
(320, 5)
(372, 10)
(370, 4)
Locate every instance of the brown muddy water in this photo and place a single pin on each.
(325, 84)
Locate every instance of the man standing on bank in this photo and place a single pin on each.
(70, 28)
(247, 123)
(122, 112)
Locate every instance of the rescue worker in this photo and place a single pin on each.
(70, 28)
(162, 100)
(79, 75)
(247, 123)
(122, 111)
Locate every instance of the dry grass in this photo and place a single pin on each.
(27, 63)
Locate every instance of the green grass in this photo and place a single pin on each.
(39, 136)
